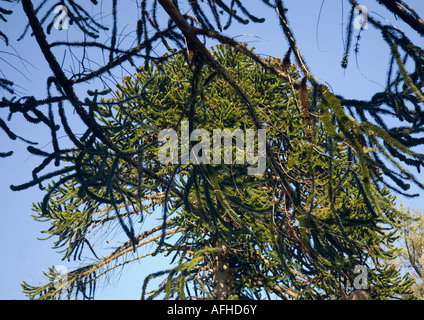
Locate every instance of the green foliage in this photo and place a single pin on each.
(411, 246)
(323, 205)
(296, 231)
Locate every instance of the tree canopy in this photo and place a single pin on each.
(323, 205)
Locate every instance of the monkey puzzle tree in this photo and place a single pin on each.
(297, 230)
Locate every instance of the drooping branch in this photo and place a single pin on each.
(60, 75)
(400, 8)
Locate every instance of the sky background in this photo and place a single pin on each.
(23, 257)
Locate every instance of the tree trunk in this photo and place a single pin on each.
(222, 274)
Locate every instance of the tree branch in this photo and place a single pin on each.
(61, 77)
(67, 87)
(412, 18)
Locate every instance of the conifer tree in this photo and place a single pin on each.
(296, 230)
(324, 204)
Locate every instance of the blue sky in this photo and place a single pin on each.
(24, 257)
